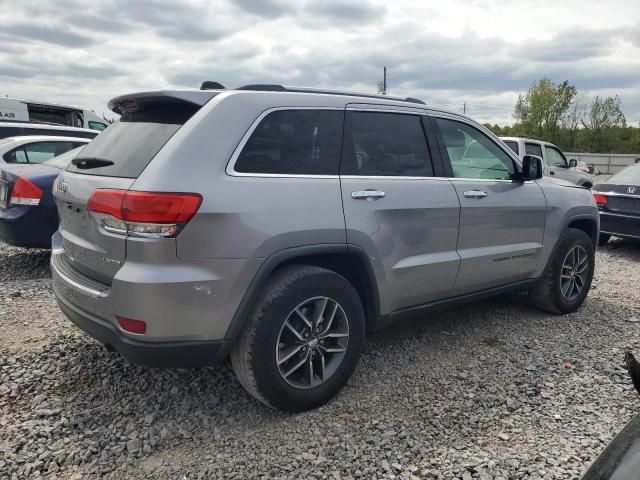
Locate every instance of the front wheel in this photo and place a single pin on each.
(567, 278)
(302, 341)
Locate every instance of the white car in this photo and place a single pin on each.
(553, 160)
(36, 148)
(18, 110)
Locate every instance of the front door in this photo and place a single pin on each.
(501, 220)
(404, 217)
(558, 165)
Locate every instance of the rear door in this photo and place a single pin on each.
(112, 160)
(501, 220)
(396, 208)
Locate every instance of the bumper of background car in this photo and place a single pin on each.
(622, 225)
(24, 226)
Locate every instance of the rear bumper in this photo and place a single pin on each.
(187, 354)
(30, 227)
(622, 225)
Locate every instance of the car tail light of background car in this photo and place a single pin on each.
(25, 192)
(143, 214)
(600, 199)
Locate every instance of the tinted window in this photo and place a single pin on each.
(513, 146)
(300, 142)
(472, 153)
(131, 142)
(555, 158)
(533, 149)
(386, 144)
(62, 161)
(17, 155)
(43, 151)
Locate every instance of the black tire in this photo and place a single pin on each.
(603, 239)
(254, 354)
(546, 294)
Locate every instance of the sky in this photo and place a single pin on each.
(479, 52)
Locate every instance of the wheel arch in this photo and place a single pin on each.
(349, 261)
(588, 225)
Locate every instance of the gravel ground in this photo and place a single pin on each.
(494, 390)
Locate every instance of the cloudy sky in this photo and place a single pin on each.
(482, 52)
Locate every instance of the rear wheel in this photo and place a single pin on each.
(603, 239)
(302, 341)
(567, 278)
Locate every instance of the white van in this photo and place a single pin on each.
(15, 110)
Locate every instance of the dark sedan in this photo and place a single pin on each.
(618, 200)
(28, 214)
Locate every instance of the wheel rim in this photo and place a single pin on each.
(312, 342)
(573, 277)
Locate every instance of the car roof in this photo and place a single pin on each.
(44, 138)
(527, 139)
(45, 126)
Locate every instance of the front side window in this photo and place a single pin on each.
(533, 149)
(473, 154)
(386, 144)
(294, 142)
(555, 158)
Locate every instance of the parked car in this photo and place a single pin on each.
(20, 129)
(278, 225)
(36, 148)
(618, 200)
(554, 161)
(28, 213)
(18, 110)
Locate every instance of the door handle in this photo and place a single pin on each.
(367, 194)
(475, 194)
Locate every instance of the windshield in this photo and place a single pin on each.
(63, 161)
(630, 175)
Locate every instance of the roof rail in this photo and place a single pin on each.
(281, 88)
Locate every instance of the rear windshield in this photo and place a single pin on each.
(63, 161)
(129, 144)
(628, 176)
(512, 145)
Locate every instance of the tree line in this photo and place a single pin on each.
(560, 114)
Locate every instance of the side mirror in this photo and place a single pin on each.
(573, 163)
(531, 167)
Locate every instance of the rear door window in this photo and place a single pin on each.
(294, 142)
(513, 146)
(130, 143)
(42, 151)
(533, 149)
(386, 144)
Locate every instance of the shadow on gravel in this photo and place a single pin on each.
(23, 264)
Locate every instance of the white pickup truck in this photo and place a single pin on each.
(553, 160)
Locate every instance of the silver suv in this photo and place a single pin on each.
(278, 225)
(554, 162)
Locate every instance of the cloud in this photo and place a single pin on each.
(48, 33)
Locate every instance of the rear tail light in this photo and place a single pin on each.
(600, 199)
(133, 326)
(143, 214)
(25, 192)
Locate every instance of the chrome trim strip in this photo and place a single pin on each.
(78, 286)
(615, 194)
(637, 217)
(384, 177)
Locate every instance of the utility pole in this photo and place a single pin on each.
(382, 86)
(464, 108)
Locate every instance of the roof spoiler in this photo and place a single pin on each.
(135, 102)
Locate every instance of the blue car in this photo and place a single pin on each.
(28, 214)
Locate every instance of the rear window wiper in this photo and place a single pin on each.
(86, 163)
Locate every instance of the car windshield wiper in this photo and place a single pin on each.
(86, 163)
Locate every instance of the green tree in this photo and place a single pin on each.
(541, 110)
(603, 121)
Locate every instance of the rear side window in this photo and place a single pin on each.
(97, 125)
(294, 142)
(129, 144)
(18, 155)
(533, 149)
(513, 146)
(386, 144)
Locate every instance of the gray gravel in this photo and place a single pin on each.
(494, 390)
